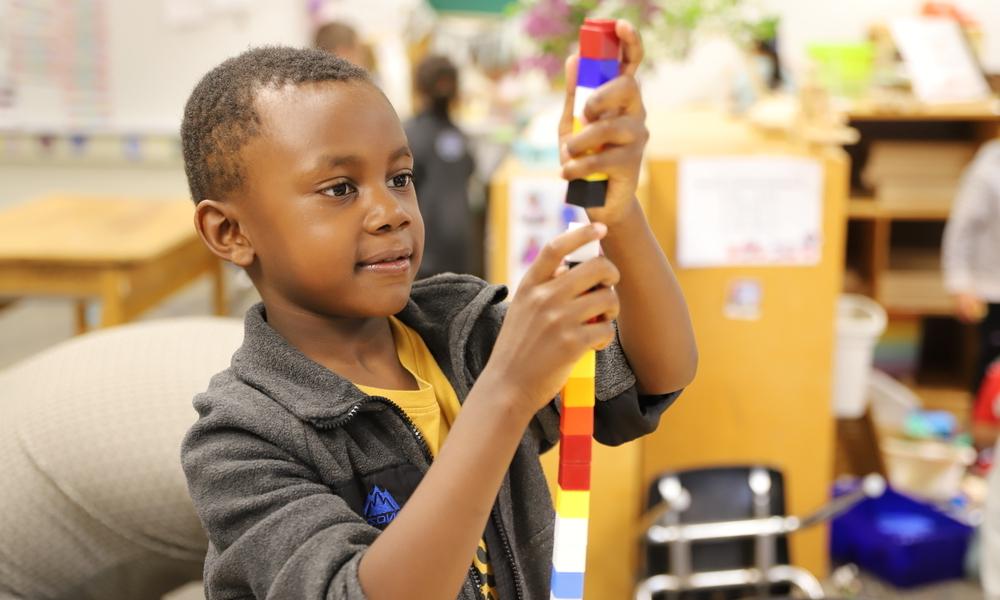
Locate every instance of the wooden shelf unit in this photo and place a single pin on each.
(894, 232)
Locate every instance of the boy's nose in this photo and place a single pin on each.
(386, 213)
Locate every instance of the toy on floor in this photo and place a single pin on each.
(599, 49)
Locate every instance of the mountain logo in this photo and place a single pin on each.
(380, 507)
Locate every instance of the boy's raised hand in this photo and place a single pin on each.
(614, 131)
(546, 328)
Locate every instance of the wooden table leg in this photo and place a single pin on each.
(114, 289)
(219, 303)
(81, 316)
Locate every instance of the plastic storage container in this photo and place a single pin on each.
(860, 322)
(901, 540)
(892, 402)
(926, 468)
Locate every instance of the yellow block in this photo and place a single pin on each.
(573, 504)
(597, 177)
(578, 391)
(585, 366)
(577, 125)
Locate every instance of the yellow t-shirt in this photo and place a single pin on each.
(433, 408)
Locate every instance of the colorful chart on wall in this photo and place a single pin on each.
(53, 64)
(537, 212)
(749, 211)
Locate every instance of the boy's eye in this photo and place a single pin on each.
(402, 180)
(338, 189)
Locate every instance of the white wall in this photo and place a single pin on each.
(155, 65)
(805, 21)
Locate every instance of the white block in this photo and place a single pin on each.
(569, 554)
(585, 252)
(580, 97)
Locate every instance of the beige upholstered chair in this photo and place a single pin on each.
(93, 502)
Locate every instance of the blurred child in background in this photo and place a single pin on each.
(340, 39)
(442, 168)
(971, 254)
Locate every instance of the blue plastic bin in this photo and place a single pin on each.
(901, 540)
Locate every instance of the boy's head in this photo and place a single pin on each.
(437, 83)
(302, 175)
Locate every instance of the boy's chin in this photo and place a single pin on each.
(389, 302)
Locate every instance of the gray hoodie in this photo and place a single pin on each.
(287, 456)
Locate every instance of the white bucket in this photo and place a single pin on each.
(860, 322)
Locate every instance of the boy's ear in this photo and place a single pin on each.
(219, 227)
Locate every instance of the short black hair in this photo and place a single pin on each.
(220, 117)
(437, 82)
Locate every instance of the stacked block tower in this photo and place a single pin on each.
(599, 49)
(576, 428)
(598, 65)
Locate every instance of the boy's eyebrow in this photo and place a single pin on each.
(399, 153)
(331, 162)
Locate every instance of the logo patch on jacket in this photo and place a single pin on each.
(380, 507)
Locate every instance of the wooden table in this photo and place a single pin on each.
(129, 253)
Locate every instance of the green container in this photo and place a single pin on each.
(843, 69)
(471, 6)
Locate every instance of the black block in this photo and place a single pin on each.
(587, 194)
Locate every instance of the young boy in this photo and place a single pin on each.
(311, 464)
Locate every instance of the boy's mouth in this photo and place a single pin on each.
(389, 261)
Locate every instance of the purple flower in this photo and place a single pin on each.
(549, 64)
(548, 19)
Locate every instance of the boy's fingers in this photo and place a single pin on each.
(631, 47)
(619, 96)
(609, 161)
(598, 335)
(566, 122)
(552, 254)
(600, 304)
(584, 277)
(594, 137)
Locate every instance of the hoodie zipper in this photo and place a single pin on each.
(510, 553)
(353, 412)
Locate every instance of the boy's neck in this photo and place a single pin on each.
(361, 350)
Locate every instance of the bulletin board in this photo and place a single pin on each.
(113, 65)
(55, 68)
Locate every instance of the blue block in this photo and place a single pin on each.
(567, 585)
(593, 73)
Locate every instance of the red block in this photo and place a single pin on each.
(575, 449)
(598, 39)
(573, 476)
(577, 420)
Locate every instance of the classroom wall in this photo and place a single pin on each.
(154, 65)
(805, 21)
